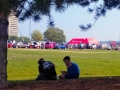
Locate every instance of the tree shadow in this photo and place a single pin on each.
(80, 78)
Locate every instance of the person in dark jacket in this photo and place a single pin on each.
(46, 70)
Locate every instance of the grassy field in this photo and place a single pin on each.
(22, 63)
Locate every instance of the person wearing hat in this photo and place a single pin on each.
(46, 70)
(73, 70)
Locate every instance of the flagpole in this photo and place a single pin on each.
(119, 37)
(30, 29)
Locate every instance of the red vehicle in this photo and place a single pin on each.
(49, 45)
(9, 45)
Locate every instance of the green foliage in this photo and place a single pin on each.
(36, 35)
(16, 38)
(39, 8)
(26, 39)
(36, 9)
(6, 6)
(22, 63)
(11, 38)
(55, 34)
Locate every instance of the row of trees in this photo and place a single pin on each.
(51, 34)
(16, 38)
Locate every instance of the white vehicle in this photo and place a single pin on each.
(21, 45)
(93, 47)
(108, 47)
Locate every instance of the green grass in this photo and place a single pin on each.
(22, 63)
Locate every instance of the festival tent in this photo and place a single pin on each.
(91, 41)
(76, 41)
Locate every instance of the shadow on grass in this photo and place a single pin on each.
(81, 78)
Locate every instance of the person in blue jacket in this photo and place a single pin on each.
(73, 70)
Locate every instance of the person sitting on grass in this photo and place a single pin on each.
(46, 70)
(72, 70)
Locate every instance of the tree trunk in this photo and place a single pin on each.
(3, 51)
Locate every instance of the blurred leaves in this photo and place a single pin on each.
(84, 28)
(36, 9)
(90, 10)
(101, 10)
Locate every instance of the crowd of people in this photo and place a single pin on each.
(47, 70)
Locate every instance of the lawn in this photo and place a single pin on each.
(22, 63)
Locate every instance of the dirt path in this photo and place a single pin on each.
(81, 84)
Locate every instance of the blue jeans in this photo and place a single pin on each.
(73, 76)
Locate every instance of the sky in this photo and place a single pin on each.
(106, 28)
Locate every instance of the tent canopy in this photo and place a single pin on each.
(83, 41)
(76, 41)
(91, 41)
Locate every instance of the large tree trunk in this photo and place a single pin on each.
(3, 51)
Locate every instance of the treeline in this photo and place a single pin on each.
(17, 39)
(51, 34)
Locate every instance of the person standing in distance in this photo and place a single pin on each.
(73, 70)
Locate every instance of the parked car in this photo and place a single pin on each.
(59, 46)
(9, 45)
(102, 46)
(42, 44)
(93, 46)
(49, 45)
(21, 45)
(108, 47)
(117, 47)
(56, 47)
(75, 46)
(62, 46)
(34, 44)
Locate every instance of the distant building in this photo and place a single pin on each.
(13, 25)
